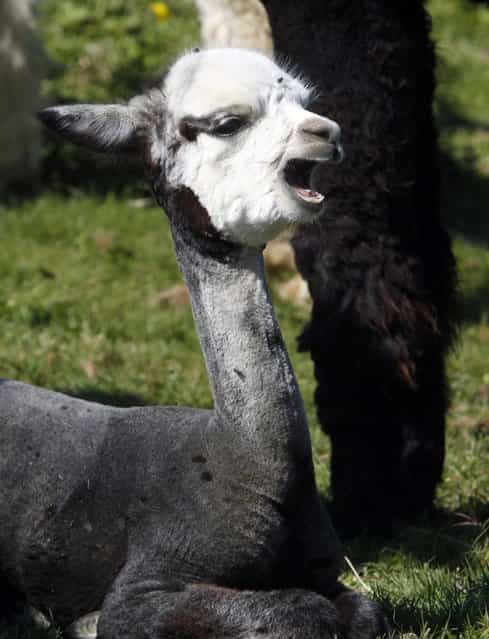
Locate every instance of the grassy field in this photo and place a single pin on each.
(82, 263)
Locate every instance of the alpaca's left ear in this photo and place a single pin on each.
(108, 128)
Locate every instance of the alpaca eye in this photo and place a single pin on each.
(228, 126)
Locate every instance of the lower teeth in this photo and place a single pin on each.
(310, 196)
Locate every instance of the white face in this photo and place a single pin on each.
(245, 143)
(232, 127)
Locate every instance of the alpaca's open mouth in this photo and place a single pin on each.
(297, 174)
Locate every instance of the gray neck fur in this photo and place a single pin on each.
(255, 392)
(261, 422)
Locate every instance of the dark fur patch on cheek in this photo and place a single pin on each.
(188, 132)
(187, 205)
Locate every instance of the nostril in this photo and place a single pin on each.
(319, 132)
(322, 128)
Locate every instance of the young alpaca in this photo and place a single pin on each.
(379, 262)
(181, 522)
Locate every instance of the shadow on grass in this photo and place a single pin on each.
(465, 191)
(68, 170)
(465, 199)
(67, 167)
(445, 539)
(119, 398)
(454, 591)
(475, 305)
(466, 209)
(23, 627)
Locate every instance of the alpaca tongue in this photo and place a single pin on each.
(313, 197)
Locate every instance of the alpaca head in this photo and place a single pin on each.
(229, 126)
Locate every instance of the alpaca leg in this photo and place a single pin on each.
(386, 428)
(385, 462)
(364, 466)
(153, 609)
(355, 614)
(423, 447)
(360, 617)
(423, 452)
(208, 612)
(11, 602)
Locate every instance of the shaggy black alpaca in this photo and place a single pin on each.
(379, 263)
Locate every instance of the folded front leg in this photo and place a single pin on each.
(200, 611)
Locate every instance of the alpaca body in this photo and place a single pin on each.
(106, 496)
(379, 263)
(95, 491)
(168, 517)
(95, 494)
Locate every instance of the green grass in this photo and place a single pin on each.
(105, 51)
(109, 49)
(81, 265)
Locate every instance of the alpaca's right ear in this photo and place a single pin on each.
(108, 128)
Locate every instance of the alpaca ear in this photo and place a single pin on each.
(108, 128)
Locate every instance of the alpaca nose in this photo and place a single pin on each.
(317, 129)
(322, 128)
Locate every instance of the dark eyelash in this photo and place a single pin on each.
(228, 125)
(223, 125)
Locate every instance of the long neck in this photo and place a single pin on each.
(259, 414)
(255, 392)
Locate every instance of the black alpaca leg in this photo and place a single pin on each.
(421, 467)
(423, 446)
(378, 476)
(11, 602)
(364, 478)
(387, 435)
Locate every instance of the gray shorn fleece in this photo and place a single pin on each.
(125, 508)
